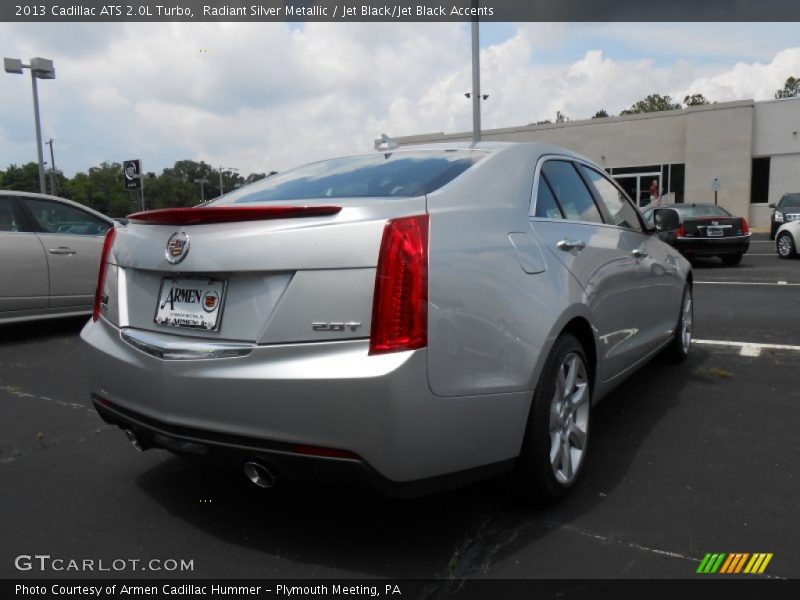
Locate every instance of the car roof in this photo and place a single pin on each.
(23, 195)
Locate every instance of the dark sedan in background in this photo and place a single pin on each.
(705, 230)
(786, 211)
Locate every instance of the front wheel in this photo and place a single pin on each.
(731, 260)
(786, 246)
(678, 348)
(557, 434)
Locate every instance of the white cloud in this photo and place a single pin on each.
(269, 96)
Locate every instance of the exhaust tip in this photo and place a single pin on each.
(134, 440)
(259, 474)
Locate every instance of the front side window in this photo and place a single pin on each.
(55, 217)
(397, 174)
(571, 193)
(622, 212)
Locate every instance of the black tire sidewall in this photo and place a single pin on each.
(534, 468)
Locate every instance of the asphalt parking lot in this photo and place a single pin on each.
(686, 460)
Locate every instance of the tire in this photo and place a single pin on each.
(681, 343)
(785, 245)
(547, 467)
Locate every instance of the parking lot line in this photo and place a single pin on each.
(746, 283)
(748, 348)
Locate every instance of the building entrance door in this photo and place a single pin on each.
(637, 186)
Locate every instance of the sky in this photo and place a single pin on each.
(265, 97)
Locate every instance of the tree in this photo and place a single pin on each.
(652, 103)
(101, 188)
(600, 114)
(561, 117)
(695, 100)
(791, 89)
(24, 178)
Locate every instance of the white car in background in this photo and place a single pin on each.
(50, 249)
(787, 239)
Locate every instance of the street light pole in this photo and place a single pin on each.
(41, 68)
(38, 131)
(476, 79)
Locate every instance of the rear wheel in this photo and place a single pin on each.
(678, 349)
(557, 433)
(786, 246)
(731, 260)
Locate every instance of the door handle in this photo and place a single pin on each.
(569, 244)
(62, 250)
(638, 253)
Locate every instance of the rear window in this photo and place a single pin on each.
(790, 201)
(701, 210)
(397, 174)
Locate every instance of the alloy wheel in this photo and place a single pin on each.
(785, 245)
(569, 418)
(686, 322)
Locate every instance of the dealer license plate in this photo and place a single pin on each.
(714, 232)
(194, 303)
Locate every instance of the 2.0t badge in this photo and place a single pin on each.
(177, 247)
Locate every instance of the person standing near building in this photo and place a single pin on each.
(655, 195)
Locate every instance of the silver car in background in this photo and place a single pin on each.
(413, 320)
(49, 256)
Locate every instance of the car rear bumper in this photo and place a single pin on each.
(712, 246)
(330, 395)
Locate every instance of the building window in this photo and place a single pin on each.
(636, 181)
(759, 181)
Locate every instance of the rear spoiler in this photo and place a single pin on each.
(199, 215)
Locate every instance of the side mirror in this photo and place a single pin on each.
(771, 205)
(666, 219)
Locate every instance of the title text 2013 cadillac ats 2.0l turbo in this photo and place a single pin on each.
(409, 319)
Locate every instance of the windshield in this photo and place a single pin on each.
(701, 210)
(397, 174)
(790, 201)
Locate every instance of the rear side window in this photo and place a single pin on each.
(621, 211)
(397, 174)
(546, 206)
(571, 193)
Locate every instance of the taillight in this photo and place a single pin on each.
(745, 227)
(681, 232)
(101, 276)
(400, 304)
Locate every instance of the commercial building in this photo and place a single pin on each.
(751, 149)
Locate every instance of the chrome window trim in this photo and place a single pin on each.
(532, 210)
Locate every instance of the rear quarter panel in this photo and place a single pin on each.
(490, 322)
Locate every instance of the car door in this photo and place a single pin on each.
(24, 284)
(73, 242)
(659, 289)
(566, 217)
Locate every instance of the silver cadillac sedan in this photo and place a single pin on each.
(411, 320)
